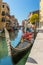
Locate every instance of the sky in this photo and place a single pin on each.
(22, 8)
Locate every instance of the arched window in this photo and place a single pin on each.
(3, 13)
(3, 19)
(3, 6)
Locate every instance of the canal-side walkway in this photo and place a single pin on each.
(36, 54)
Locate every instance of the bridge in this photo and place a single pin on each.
(36, 54)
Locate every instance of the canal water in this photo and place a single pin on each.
(15, 39)
(4, 58)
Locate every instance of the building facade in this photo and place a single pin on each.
(7, 20)
(32, 13)
(41, 13)
(14, 22)
(4, 10)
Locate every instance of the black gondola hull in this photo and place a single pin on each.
(17, 56)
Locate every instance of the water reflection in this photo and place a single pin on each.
(4, 58)
(3, 48)
(16, 39)
(13, 34)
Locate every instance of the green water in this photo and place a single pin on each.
(3, 48)
(23, 60)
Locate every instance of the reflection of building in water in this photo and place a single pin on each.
(41, 12)
(13, 35)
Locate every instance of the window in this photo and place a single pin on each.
(3, 6)
(3, 13)
(3, 19)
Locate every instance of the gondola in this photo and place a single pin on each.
(20, 50)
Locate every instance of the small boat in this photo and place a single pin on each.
(20, 50)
